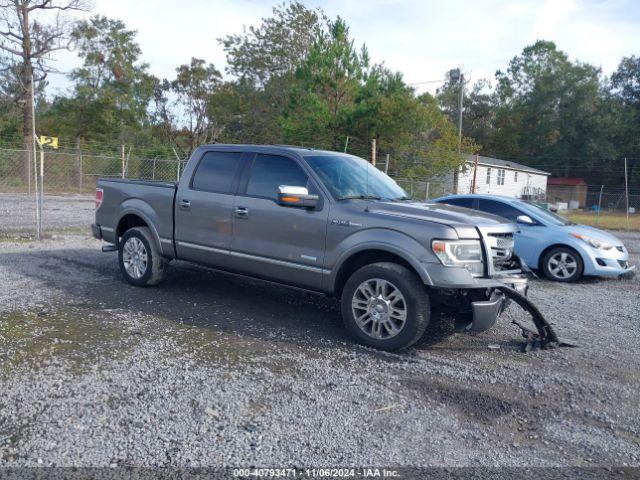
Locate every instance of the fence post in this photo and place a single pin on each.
(123, 160)
(626, 190)
(153, 171)
(599, 205)
(426, 194)
(41, 196)
(373, 152)
(178, 168)
(386, 165)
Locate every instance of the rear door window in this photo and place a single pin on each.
(216, 172)
(498, 208)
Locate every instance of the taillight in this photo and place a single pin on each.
(99, 195)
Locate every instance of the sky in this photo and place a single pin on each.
(422, 39)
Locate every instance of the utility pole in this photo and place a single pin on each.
(456, 76)
(460, 99)
(35, 162)
(475, 172)
(386, 165)
(346, 144)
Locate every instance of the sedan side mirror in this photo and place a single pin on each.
(290, 196)
(524, 219)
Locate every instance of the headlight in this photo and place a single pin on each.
(460, 253)
(594, 242)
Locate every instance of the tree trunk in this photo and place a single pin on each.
(27, 94)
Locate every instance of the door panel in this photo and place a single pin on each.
(203, 211)
(526, 239)
(275, 242)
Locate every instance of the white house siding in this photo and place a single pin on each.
(511, 188)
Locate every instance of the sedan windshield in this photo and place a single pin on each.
(547, 216)
(347, 176)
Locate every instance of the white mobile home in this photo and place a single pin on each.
(501, 177)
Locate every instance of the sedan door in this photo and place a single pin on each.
(204, 209)
(527, 239)
(278, 242)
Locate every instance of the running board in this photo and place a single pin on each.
(109, 248)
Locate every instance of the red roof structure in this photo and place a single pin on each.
(566, 181)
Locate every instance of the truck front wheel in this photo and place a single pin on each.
(139, 257)
(385, 306)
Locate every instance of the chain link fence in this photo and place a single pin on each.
(69, 180)
(68, 186)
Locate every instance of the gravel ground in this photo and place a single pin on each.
(210, 369)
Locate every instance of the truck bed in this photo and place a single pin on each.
(152, 199)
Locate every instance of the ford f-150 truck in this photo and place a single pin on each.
(322, 221)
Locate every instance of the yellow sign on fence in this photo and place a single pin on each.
(49, 141)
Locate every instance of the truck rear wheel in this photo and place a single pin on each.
(139, 257)
(385, 306)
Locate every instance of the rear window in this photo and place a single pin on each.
(216, 171)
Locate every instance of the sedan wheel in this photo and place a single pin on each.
(563, 264)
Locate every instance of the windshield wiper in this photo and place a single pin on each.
(401, 199)
(360, 197)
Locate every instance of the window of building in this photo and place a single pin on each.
(501, 174)
(488, 175)
(515, 177)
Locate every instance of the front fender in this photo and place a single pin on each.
(404, 246)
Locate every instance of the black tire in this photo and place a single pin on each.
(568, 276)
(415, 301)
(155, 269)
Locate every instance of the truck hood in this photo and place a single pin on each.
(463, 220)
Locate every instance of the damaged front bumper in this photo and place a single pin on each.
(485, 312)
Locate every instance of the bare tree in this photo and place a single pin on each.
(30, 42)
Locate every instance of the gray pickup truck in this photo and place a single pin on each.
(323, 221)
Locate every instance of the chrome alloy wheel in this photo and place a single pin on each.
(134, 257)
(379, 308)
(562, 265)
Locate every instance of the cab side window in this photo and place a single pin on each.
(460, 202)
(269, 172)
(216, 172)
(499, 208)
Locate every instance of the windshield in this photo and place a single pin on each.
(548, 216)
(347, 176)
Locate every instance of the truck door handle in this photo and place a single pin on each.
(242, 212)
(186, 204)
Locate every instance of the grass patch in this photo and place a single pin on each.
(612, 221)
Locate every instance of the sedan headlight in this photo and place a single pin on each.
(460, 253)
(594, 242)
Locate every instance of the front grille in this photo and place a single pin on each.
(501, 245)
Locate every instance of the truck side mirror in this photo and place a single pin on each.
(524, 219)
(290, 196)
